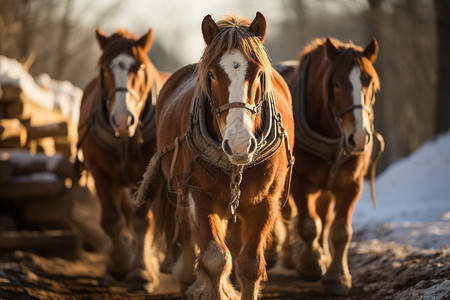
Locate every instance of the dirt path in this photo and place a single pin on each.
(380, 271)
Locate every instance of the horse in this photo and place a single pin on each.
(333, 86)
(224, 130)
(117, 136)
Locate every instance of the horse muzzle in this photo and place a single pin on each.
(357, 141)
(124, 125)
(239, 154)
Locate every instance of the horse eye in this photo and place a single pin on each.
(335, 84)
(211, 75)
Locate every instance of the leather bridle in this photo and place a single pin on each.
(108, 97)
(219, 110)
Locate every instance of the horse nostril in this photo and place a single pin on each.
(226, 147)
(113, 121)
(130, 120)
(367, 138)
(351, 140)
(252, 146)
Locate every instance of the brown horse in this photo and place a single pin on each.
(333, 87)
(224, 154)
(117, 135)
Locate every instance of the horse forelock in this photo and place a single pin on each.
(233, 34)
(123, 41)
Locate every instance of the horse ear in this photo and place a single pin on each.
(145, 42)
(330, 49)
(209, 29)
(258, 26)
(371, 50)
(101, 38)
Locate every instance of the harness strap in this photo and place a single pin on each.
(225, 107)
(373, 166)
(291, 161)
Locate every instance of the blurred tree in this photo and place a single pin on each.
(50, 30)
(442, 8)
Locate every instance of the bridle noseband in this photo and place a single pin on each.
(337, 115)
(132, 92)
(253, 108)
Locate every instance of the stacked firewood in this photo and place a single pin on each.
(24, 125)
(40, 198)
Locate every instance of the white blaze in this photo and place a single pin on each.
(358, 99)
(120, 67)
(238, 122)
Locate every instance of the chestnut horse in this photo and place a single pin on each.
(117, 136)
(224, 154)
(333, 87)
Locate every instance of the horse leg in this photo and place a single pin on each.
(143, 272)
(214, 260)
(250, 264)
(288, 214)
(183, 270)
(325, 212)
(338, 280)
(113, 223)
(310, 258)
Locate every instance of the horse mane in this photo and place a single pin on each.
(233, 34)
(122, 41)
(349, 54)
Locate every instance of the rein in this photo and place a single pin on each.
(332, 150)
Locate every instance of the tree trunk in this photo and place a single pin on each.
(442, 118)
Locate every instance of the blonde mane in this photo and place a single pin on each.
(233, 34)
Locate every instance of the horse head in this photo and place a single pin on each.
(351, 84)
(234, 74)
(125, 71)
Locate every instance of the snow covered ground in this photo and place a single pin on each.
(42, 90)
(413, 199)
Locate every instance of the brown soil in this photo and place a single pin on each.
(380, 271)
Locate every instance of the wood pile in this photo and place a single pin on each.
(24, 124)
(39, 189)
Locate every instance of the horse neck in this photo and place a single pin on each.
(318, 111)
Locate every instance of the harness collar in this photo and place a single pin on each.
(210, 150)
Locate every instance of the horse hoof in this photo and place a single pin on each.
(117, 275)
(311, 272)
(138, 286)
(141, 280)
(309, 277)
(335, 289)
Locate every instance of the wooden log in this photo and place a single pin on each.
(13, 129)
(32, 186)
(38, 240)
(48, 130)
(63, 146)
(55, 209)
(11, 93)
(24, 162)
(9, 110)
